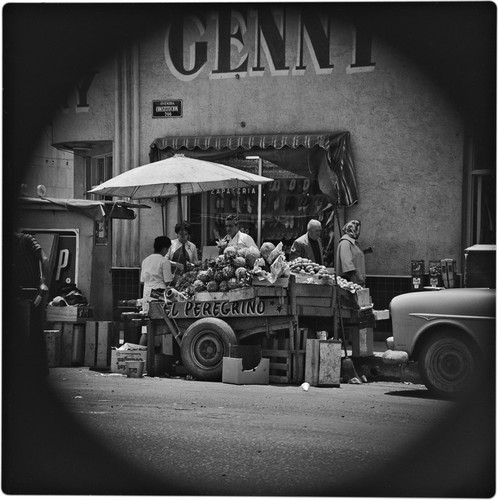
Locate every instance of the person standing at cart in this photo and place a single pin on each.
(309, 245)
(156, 272)
(350, 259)
(235, 238)
(182, 250)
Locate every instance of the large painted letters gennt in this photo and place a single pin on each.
(225, 39)
(174, 49)
(224, 44)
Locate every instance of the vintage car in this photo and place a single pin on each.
(449, 332)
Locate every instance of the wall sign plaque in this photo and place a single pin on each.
(168, 108)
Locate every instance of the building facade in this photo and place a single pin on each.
(232, 72)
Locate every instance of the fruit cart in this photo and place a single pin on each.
(274, 316)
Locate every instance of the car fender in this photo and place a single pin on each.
(436, 323)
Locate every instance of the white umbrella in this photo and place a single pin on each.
(176, 176)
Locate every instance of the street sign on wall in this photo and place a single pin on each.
(168, 108)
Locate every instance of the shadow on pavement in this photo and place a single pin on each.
(414, 393)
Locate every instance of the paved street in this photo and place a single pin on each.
(174, 436)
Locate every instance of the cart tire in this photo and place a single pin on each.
(449, 365)
(203, 346)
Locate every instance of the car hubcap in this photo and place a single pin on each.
(452, 363)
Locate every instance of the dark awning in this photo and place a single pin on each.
(325, 157)
(94, 209)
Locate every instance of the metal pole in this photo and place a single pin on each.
(260, 199)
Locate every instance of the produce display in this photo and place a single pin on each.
(236, 268)
(348, 285)
(232, 270)
(307, 266)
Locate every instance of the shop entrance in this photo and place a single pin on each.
(313, 176)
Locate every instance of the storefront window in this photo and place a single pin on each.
(287, 204)
(98, 170)
(483, 207)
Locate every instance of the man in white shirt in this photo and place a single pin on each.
(236, 238)
(156, 270)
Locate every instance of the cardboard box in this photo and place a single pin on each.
(120, 357)
(234, 374)
(69, 314)
(382, 314)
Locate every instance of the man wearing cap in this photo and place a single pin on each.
(235, 238)
(309, 245)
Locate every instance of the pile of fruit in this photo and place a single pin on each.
(307, 266)
(348, 285)
(229, 271)
(235, 269)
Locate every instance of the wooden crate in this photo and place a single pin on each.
(270, 291)
(69, 314)
(276, 348)
(279, 282)
(231, 295)
(98, 341)
(53, 344)
(286, 350)
(323, 362)
(298, 353)
(69, 343)
(312, 300)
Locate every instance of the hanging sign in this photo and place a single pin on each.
(172, 108)
(101, 234)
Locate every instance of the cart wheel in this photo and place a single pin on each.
(203, 346)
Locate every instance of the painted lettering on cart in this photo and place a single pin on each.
(240, 42)
(192, 309)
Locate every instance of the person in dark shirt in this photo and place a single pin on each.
(309, 245)
(29, 264)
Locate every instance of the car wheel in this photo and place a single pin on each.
(203, 346)
(448, 364)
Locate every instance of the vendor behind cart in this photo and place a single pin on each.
(235, 238)
(182, 250)
(350, 261)
(156, 272)
(309, 245)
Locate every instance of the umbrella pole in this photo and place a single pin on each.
(180, 215)
(180, 218)
(260, 199)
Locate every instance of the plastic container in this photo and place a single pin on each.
(135, 369)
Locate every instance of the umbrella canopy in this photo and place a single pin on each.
(176, 176)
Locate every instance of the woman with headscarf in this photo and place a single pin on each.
(350, 261)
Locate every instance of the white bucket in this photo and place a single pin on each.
(135, 369)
